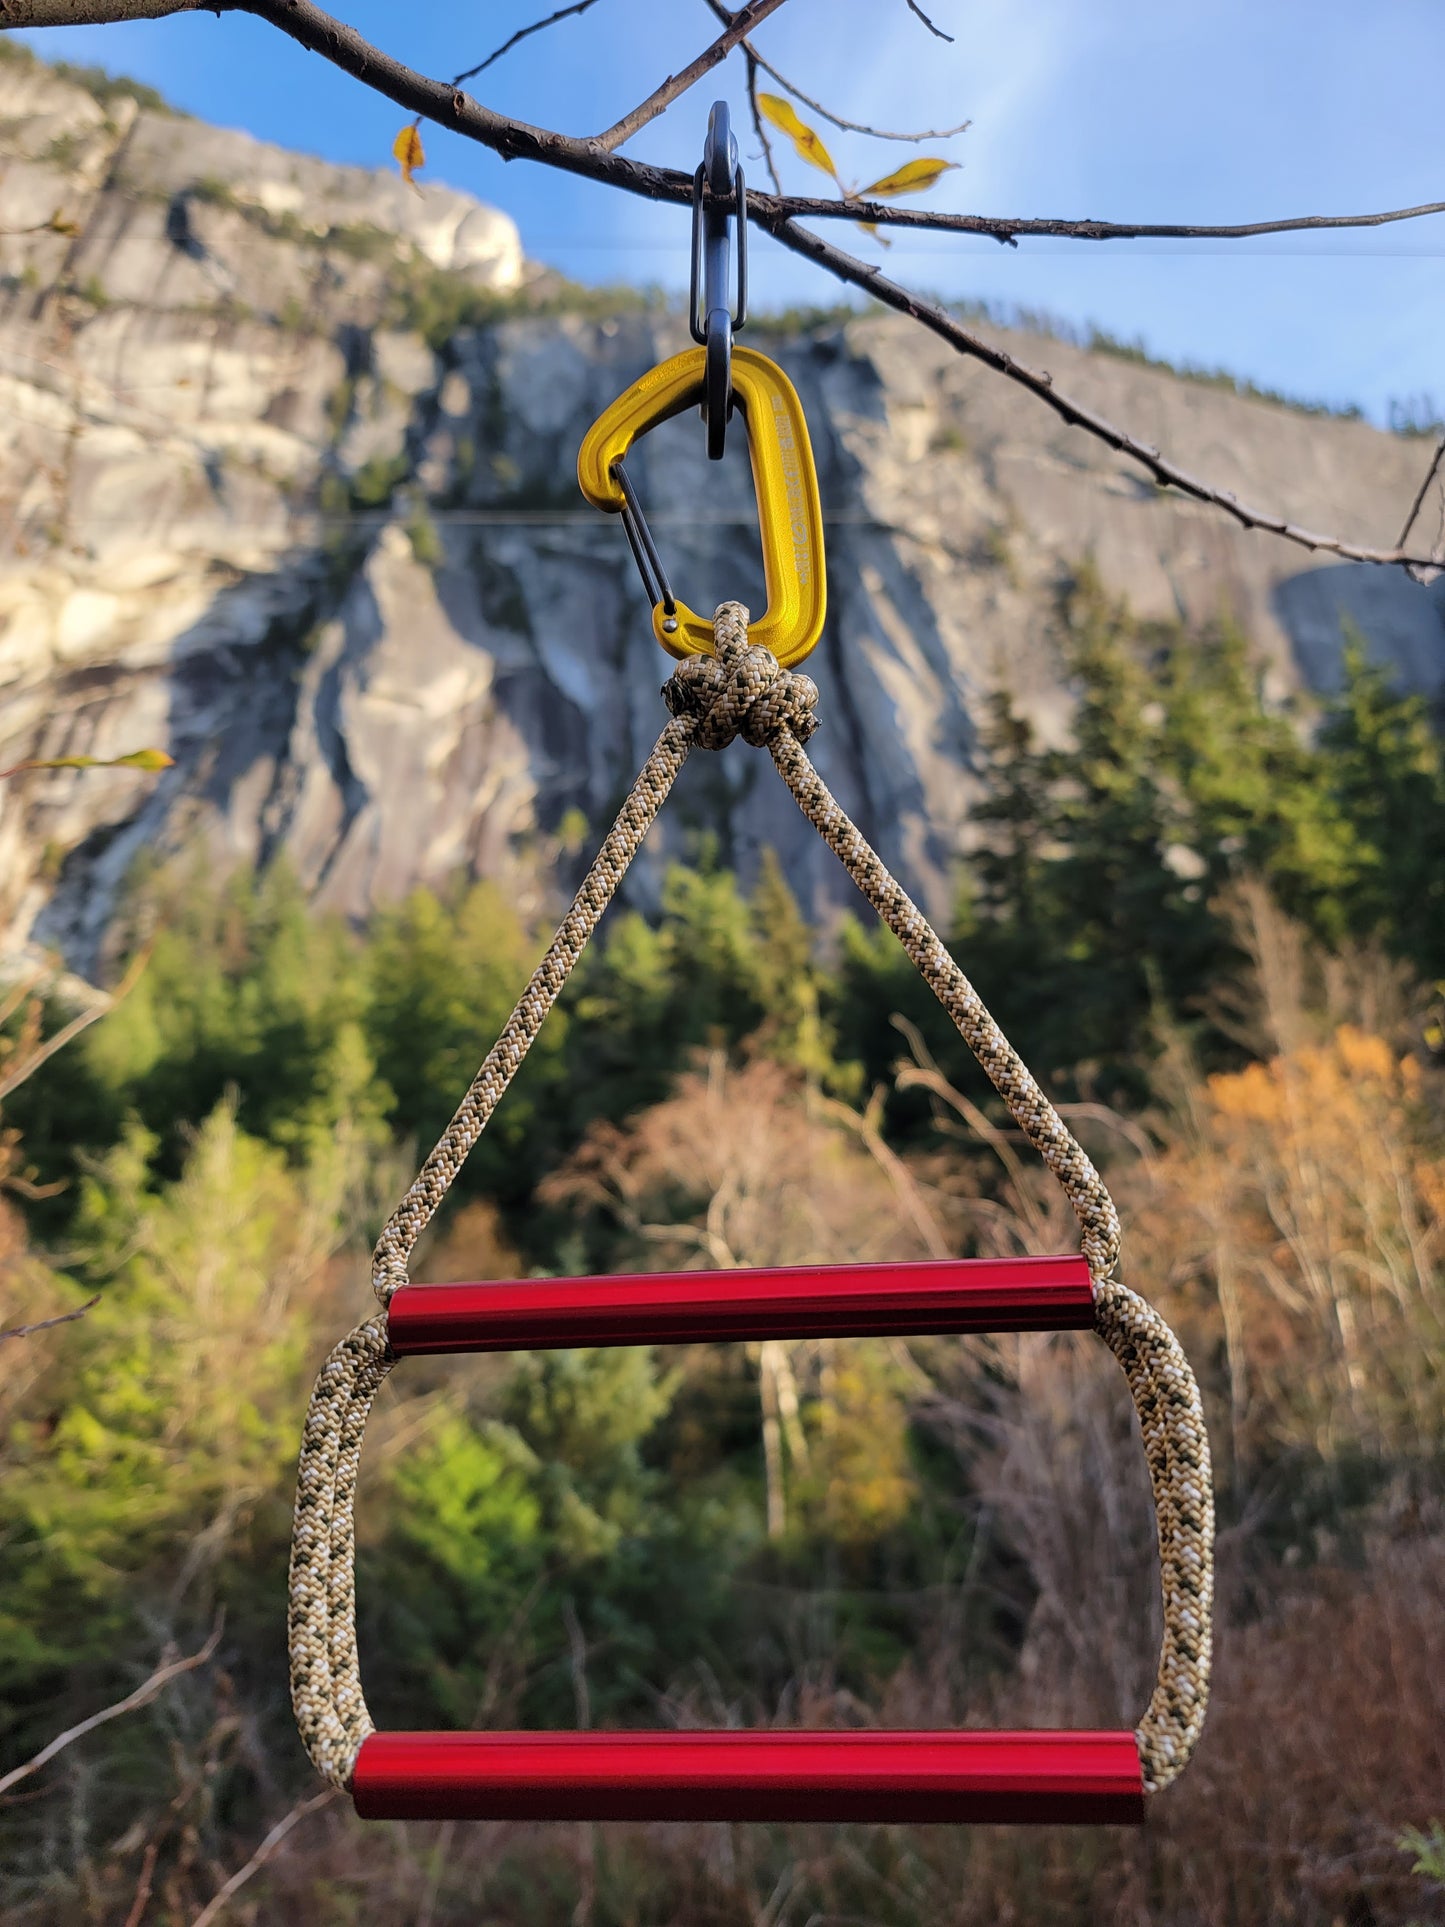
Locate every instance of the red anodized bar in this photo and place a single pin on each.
(690, 1307)
(1089, 1778)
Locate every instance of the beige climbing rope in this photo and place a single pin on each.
(741, 690)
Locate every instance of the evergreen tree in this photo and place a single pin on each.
(246, 993)
(441, 979)
(1387, 775)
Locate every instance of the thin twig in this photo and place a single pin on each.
(743, 22)
(446, 1833)
(143, 1886)
(142, 1696)
(859, 126)
(865, 1124)
(522, 33)
(216, 1905)
(1424, 490)
(11, 1080)
(925, 1071)
(914, 8)
(25, 1187)
(758, 127)
(17, 992)
(48, 1324)
(1133, 1134)
(14, 1079)
(577, 1646)
(755, 59)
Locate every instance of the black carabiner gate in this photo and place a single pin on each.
(718, 194)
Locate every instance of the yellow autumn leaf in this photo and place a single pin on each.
(409, 152)
(61, 223)
(913, 178)
(137, 759)
(810, 148)
(144, 759)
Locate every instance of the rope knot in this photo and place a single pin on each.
(742, 690)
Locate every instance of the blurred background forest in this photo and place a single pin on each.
(1215, 928)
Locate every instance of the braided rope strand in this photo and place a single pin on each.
(326, 1691)
(728, 678)
(1176, 1444)
(519, 1033)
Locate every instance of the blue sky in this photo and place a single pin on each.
(1234, 110)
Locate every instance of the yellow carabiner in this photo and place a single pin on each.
(786, 483)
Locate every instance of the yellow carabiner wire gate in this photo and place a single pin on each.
(790, 518)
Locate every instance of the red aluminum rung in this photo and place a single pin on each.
(689, 1307)
(1058, 1777)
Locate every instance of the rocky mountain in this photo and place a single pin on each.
(287, 487)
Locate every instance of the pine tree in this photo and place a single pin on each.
(1387, 776)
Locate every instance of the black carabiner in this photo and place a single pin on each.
(717, 182)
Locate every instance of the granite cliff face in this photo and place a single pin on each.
(278, 495)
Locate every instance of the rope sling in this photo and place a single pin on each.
(728, 685)
(743, 691)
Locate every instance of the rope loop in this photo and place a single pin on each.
(326, 1694)
(1176, 1444)
(742, 690)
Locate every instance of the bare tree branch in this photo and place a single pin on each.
(743, 22)
(45, 1324)
(216, 1905)
(92, 13)
(755, 60)
(1040, 382)
(11, 1080)
(142, 1696)
(1007, 230)
(914, 8)
(449, 107)
(522, 33)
